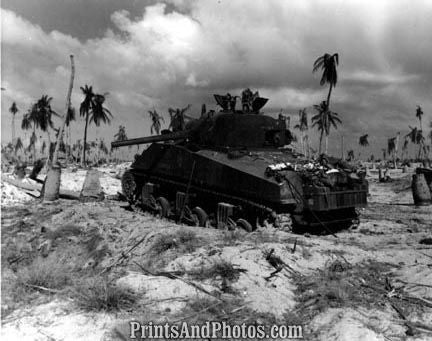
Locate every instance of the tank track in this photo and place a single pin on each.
(282, 221)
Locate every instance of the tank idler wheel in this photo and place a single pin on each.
(244, 224)
(164, 207)
(201, 217)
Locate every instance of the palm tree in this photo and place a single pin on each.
(71, 116)
(121, 134)
(178, 117)
(405, 147)
(363, 140)
(29, 122)
(391, 148)
(18, 145)
(13, 110)
(384, 151)
(323, 120)
(93, 110)
(419, 114)
(156, 118)
(302, 126)
(44, 114)
(416, 137)
(39, 116)
(85, 109)
(103, 148)
(328, 63)
(99, 114)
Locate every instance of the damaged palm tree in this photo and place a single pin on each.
(52, 183)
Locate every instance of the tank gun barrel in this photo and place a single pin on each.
(180, 135)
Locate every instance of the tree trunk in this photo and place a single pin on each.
(342, 148)
(13, 128)
(83, 161)
(328, 96)
(419, 152)
(52, 182)
(320, 143)
(34, 143)
(68, 99)
(326, 144)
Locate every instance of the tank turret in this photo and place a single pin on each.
(229, 128)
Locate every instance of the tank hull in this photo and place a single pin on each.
(240, 178)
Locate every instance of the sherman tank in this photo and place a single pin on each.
(237, 168)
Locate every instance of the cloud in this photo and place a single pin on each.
(169, 58)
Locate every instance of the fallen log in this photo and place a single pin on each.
(64, 194)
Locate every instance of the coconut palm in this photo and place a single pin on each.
(324, 120)
(178, 118)
(121, 134)
(391, 148)
(93, 110)
(419, 114)
(45, 112)
(85, 108)
(416, 137)
(18, 145)
(70, 116)
(99, 114)
(328, 63)
(40, 114)
(405, 147)
(302, 126)
(13, 110)
(156, 124)
(363, 140)
(29, 122)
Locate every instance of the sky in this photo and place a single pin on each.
(160, 54)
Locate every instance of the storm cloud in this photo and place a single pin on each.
(183, 52)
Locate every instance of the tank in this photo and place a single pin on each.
(237, 168)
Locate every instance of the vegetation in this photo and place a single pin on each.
(13, 110)
(178, 118)
(93, 110)
(50, 273)
(303, 126)
(324, 120)
(328, 64)
(156, 122)
(100, 293)
(363, 141)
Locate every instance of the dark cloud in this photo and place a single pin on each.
(184, 51)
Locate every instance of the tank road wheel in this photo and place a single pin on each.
(201, 216)
(284, 222)
(128, 186)
(244, 224)
(164, 207)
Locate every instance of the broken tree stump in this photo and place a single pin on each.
(92, 189)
